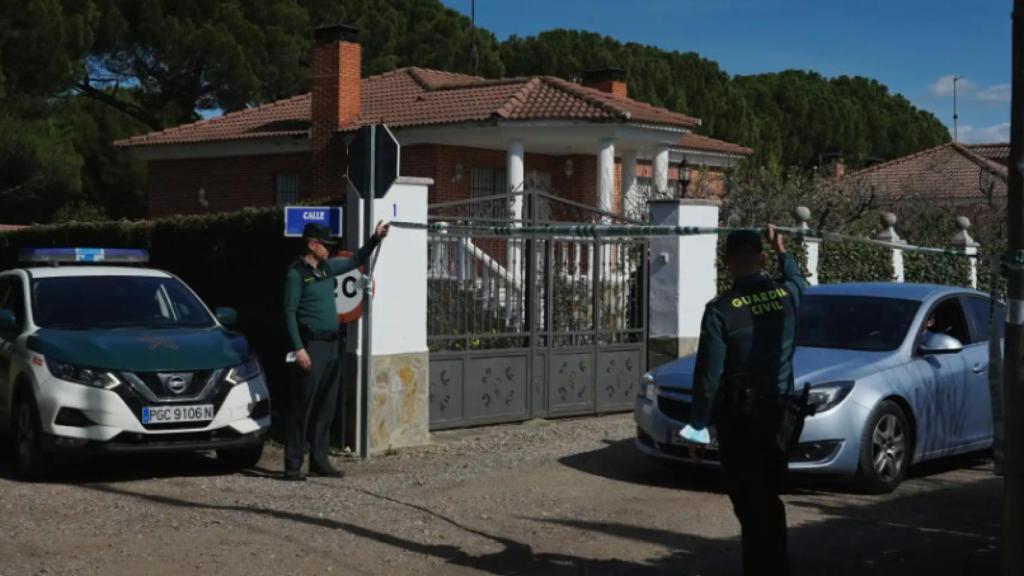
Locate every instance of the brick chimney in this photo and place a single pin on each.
(608, 79)
(337, 77)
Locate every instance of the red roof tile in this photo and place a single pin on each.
(418, 97)
(998, 152)
(703, 143)
(10, 227)
(946, 171)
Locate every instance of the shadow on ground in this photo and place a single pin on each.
(920, 533)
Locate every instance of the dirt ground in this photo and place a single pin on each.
(549, 498)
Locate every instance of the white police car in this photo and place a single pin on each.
(121, 359)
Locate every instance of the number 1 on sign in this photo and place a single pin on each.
(394, 210)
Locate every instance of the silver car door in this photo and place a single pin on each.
(979, 408)
(943, 406)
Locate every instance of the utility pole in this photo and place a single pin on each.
(956, 117)
(1013, 386)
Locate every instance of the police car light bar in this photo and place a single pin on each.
(84, 255)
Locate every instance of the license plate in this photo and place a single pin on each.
(175, 414)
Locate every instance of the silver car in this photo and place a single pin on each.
(898, 373)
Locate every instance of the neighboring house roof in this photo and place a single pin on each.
(999, 152)
(704, 143)
(417, 97)
(948, 171)
(10, 227)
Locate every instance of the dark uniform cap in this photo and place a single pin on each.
(745, 240)
(314, 231)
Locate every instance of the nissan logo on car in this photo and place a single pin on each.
(176, 384)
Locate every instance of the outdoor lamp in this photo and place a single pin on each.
(568, 168)
(684, 177)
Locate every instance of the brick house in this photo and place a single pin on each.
(589, 143)
(961, 174)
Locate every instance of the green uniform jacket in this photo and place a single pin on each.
(748, 336)
(309, 293)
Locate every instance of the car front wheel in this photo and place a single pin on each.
(30, 461)
(884, 449)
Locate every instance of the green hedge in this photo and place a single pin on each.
(936, 269)
(853, 262)
(237, 260)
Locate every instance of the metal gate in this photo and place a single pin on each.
(520, 327)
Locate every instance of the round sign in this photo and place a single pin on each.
(348, 295)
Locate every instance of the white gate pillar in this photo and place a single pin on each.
(606, 175)
(683, 278)
(399, 403)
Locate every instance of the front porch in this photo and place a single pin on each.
(613, 168)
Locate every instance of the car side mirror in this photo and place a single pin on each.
(8, 321)
(936, 343)
(226, 316)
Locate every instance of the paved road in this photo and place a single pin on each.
(549, 498)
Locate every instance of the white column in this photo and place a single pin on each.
(515, 170)
(661, 172)
(897, 265)
(683, 277)
(803, 216)
(630, 199)
(973, 252)
(606, 175)
(812, 245)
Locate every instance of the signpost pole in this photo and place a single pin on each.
(369, 199)
(1013, 382)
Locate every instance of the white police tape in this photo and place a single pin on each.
(652, 231)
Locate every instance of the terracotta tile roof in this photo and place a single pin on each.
(998, 152)
(705, 144)
(946, 171)
(419, 97)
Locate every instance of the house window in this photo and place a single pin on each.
(487, 182)
(287, 189)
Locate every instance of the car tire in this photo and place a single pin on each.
(885, 449)
(241, 458)
(31, 462)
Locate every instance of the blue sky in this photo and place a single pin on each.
(913, 46)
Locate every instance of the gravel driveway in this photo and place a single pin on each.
(561, 498)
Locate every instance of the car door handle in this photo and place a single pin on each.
(979, 368)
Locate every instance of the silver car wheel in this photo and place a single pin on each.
(888, 448)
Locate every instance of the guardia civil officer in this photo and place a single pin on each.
(742, 384)
(311, 318)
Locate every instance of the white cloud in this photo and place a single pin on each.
(944, 86)
(998, 94)
(995, 133)
(967, 89)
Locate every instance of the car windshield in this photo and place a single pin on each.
(102, 302)
(854, 322)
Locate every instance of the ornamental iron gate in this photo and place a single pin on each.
(522, 327)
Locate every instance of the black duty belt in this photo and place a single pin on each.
(327, 336)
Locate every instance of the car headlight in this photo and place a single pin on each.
(825, 397)
(82, 375)
(244, 372)
(648, 387)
